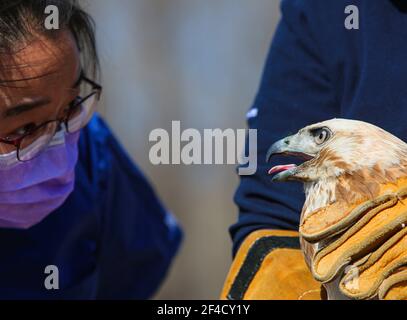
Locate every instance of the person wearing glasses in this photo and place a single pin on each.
(78, 220)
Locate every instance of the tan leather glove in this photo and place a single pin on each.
(362, 248)
(270, 266)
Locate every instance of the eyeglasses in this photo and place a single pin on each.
(37, 138)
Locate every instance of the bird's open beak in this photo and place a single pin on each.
(286, 147)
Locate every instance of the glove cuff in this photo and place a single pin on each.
(270, 266)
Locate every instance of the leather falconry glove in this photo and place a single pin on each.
(368, 242)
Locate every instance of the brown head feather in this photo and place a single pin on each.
(353, 164)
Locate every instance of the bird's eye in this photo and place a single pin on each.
(321, 135)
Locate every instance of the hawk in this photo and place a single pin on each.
(352, 224)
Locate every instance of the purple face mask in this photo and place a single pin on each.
(30, 191)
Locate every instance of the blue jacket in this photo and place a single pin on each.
(112, 239)
(317, 70)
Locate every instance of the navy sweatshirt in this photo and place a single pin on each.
(317, 70)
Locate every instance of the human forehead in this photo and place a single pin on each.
(42, 61)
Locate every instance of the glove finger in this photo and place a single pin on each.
(336, 218)
(365, 236)
(364, 280)
(394, 287)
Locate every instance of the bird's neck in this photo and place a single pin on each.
(352, 188)
(318, 194)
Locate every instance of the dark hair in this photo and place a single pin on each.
(22, 20)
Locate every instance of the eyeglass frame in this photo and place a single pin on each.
(96, 90)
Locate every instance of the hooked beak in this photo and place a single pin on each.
(279, 147)
(286, 147)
